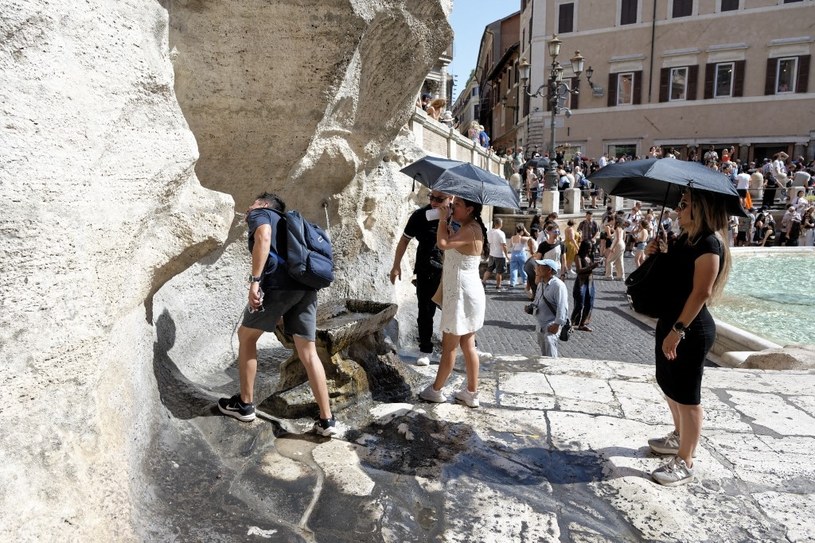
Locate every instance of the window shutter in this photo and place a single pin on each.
(566, 18)
(637, 98)
(575, 84)
(628, 12)
(664, 84)
(769, 82)
(802, 80)
(738, 78)
(612, 90)
(693, 78)
(710, 79)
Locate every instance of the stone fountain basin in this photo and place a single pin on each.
(341, 324)
(350, 343)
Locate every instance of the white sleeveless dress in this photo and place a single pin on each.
(464, 301)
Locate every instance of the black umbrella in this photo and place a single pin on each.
(540, 162)
(661, 181)
(464, 180)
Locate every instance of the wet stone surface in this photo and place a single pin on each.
(539, 461)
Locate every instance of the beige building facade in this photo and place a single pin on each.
(685, 74)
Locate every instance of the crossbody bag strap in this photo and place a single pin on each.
(542, 297)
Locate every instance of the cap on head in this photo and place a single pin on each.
(549, 263)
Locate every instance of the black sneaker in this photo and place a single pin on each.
(234, 407)
(326, 427)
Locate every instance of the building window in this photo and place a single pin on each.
(475, 91)
(787, 75)
(565, 18)
(723, 85)
(622, 149)
(725, 79)
(682, 8)
(625, 89)
(679, 84)
(729, 5)
(628, 12)
(785, 78)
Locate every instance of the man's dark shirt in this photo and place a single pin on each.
(275, 274)
(428, 256)
(588, 229)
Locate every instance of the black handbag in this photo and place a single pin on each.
(565, 331)
(645, 286)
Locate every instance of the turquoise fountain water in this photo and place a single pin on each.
(771, 293)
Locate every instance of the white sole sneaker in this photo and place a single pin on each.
(429, 394)
(470, 399)
(674, 473)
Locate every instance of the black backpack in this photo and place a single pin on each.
(309, 257)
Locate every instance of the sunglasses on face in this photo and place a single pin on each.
(682, 206)
(437, 199)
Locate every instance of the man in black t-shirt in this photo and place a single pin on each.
(422, 226)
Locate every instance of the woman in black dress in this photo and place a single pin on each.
(696, 271)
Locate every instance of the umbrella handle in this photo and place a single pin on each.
(661, 230)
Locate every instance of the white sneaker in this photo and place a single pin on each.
(432, 395)
(665, 445)
(674, 473)
(468, 398)
(423, 360)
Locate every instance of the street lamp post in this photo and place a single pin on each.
(555, 90)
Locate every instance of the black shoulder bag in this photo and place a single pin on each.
(646, 286)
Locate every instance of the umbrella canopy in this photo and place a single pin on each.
(661, 181)
(464, 180)
(540, 162)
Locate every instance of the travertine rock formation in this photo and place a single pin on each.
(102, 206)
(791, 357)
(305, 99)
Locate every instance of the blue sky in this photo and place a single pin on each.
(468, 19)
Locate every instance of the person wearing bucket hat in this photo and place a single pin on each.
(551, 305)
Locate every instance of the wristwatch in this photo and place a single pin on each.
(254, 278)
(679, 328)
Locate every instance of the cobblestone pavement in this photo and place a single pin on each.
(616, 334)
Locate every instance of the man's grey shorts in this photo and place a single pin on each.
(497, 264)
(297, 307)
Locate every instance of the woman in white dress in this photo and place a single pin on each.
(463, 301)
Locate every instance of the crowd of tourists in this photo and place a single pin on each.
(436, 110)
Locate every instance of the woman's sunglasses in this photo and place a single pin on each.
(682, 206)
(436, 199)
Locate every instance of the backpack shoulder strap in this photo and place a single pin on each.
(281, 223)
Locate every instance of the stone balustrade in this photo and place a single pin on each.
(439, 140)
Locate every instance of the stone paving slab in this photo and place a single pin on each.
(616, 335)
(557, 452)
